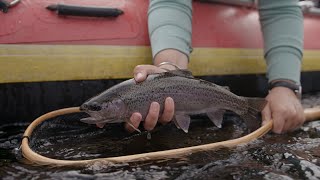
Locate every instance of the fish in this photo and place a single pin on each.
(192, 96)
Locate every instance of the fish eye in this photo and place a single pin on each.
(95, 107)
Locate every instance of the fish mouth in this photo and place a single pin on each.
(90, 107)
(93, 120)
(82, 108)
(97, 117)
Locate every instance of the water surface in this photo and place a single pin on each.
(291, 156)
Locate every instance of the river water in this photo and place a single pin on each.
(294, 155)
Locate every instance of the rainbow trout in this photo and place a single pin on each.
(191, 96)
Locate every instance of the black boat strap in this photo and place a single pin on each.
(4, 5)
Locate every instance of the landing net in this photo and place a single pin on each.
(58, 138)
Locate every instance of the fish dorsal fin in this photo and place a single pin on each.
(182, 121)
(180, 72)
(216, 116)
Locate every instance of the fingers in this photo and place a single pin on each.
(285, 110)
(135, 120)
(295, 118)
(152, 117)
(278, 123)
(168, 111)
(141, 72)
(266, 115)
(292, 121)
(300, 114)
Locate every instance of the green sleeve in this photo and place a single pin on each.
(170, 25)
(282, 28)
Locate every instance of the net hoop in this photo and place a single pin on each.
(28, 153)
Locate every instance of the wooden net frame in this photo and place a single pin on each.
(28, 153)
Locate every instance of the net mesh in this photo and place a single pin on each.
(65, 137)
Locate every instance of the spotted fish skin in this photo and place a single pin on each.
(191, 96)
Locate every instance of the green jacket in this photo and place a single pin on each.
(170, 27)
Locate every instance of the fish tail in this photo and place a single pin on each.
(255, 106)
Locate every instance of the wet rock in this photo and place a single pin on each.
(311, 170)
(305, 168)
(285, 167)
(274, 176)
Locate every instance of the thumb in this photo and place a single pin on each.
(266, 115)
(140, 76)
(142, 71)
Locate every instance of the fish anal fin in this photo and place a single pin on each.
(175, 123)
(183, 121)
(216, 116)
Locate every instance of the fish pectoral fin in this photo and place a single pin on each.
(216, 116)
(182, 121)
(131, 125)
(100, 125)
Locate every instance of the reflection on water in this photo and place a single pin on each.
(291, 156)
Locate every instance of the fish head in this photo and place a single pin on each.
(103, 111)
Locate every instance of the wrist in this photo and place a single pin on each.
(171, 56)
(295, 87)
(169, 66)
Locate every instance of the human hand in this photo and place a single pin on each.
(285, 109)
(140, 74)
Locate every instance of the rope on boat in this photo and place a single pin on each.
(310, 114)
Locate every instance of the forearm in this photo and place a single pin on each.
(170, 28)
(282, 28)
